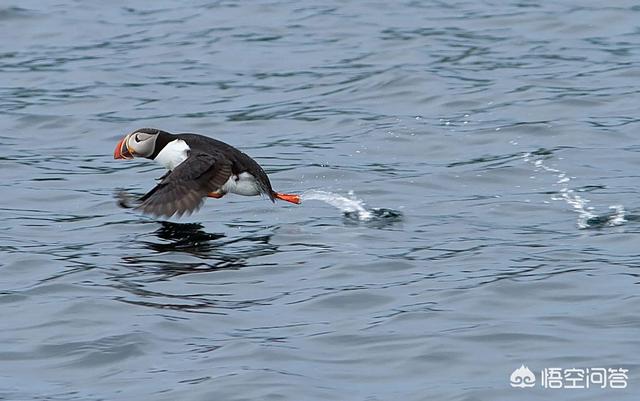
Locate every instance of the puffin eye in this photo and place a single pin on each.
(137, 138)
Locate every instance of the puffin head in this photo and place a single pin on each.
(143, 142)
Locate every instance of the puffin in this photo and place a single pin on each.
(198, 167)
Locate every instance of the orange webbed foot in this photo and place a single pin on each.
(288, 197)
(216, 195)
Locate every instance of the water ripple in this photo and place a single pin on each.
(482, 139)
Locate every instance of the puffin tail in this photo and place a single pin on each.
(287, 197)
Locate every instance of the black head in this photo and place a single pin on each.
(143, 142)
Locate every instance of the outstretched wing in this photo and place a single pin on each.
(185, 188)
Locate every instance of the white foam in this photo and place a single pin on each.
(618, 218)
(578, 203)
(346, 205)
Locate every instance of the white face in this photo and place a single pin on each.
(141, 144)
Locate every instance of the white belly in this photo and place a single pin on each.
(243, 184)
(174, 153)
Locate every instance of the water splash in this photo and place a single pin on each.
(349, 206)
(616, 217)
(587, 217)
(354, 209)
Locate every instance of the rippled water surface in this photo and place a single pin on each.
(496, 143)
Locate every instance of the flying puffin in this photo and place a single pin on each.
(198, 167)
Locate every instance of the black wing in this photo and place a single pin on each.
(185, 188)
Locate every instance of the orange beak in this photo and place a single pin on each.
(122, 150)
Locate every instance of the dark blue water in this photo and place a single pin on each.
(497, 143)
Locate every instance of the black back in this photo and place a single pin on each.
(240, 161)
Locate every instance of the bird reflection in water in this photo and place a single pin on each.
(207, 251)
(181, 249)
(186, 237)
